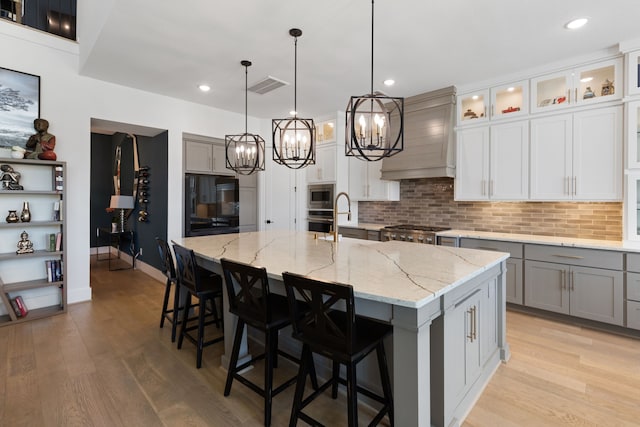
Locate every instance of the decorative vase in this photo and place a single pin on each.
(25, 215)
(12, 217)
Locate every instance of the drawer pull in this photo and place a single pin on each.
(487, 248)
(568, 256)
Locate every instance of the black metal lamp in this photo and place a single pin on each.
(244, 152)
(294, 139)
(374, 122)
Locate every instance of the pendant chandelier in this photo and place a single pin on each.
(294, 139)
(245, 152)
(374, 122)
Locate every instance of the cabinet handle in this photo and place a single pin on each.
(566, 185)
(575, 185)
(485, 111)
(490, 188)
(475, 323)
(568, 96)
(493, 110)
(488, 248)
(576, 95)
(573, 280)
(568, 256)
(470, 336)
(563, 280)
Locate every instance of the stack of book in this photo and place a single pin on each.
(54, 242)
(54, 270)
(19, 306)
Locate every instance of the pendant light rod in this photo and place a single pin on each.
(246, 65)
(372, 8)
(295, 32)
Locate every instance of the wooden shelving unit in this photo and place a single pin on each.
(26, 275)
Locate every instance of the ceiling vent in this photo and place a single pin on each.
(267, 85)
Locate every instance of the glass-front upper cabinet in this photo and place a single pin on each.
(633, 72)
(473, 107)
(632, 210)
(580, 86)
(632, 119)
(510, 100)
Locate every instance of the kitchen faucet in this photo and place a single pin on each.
(336, 213)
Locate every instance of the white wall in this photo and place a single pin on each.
(69, 101)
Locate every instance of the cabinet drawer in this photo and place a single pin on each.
(515, 249)
(354, 233)
(633, 286)
(373, 235)
(633, 262)
(633, 314)
(574, 256)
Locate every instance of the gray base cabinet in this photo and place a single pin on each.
(564, 287)
(633, 291)
(469, 334)
(514, 263)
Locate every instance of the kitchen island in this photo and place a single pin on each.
(446, 306)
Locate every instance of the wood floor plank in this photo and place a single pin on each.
(107, 363)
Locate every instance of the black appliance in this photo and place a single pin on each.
(320, 220)
(211, 205)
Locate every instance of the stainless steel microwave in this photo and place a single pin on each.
(321, 196)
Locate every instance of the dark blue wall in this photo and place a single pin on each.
(152, 152)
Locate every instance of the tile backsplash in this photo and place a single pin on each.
(429, 201)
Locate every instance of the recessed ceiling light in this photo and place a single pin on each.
(576, 23)
(204, 88)
(475, 97)
(586, 79)
(511, 89)
(389, 82)
(293, 113)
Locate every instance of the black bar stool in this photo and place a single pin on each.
(169, 270)
(340, 335)
(253, 303)
(206, 287)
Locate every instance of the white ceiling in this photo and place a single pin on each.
(169, 47)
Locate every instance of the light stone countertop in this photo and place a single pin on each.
(543, 240)
(399, 273)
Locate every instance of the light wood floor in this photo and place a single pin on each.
(106, 363)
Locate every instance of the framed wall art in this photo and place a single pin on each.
(19, 106)
(325, 131)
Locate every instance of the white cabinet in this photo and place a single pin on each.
(499, 102)
(580, 282)
(577, 156)
(365, 183)
(248, 197)
(325, 168)
(38, 277)
(493, 162)
(585, 85)
(633, 73)
(207, 158)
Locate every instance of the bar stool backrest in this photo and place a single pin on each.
(187, 268)
(168, 267)
(322, 313)
(248, 291)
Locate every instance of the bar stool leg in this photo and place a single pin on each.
(165, 301)
(176, 311)
(234, 356)
(352, 395)
(185, 316)
(300, 382)
(268, 374)
(334, 379)
(385, 379)
(202, 313)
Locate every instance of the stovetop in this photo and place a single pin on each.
(416, 228)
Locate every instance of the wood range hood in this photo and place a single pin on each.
(429, 144)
